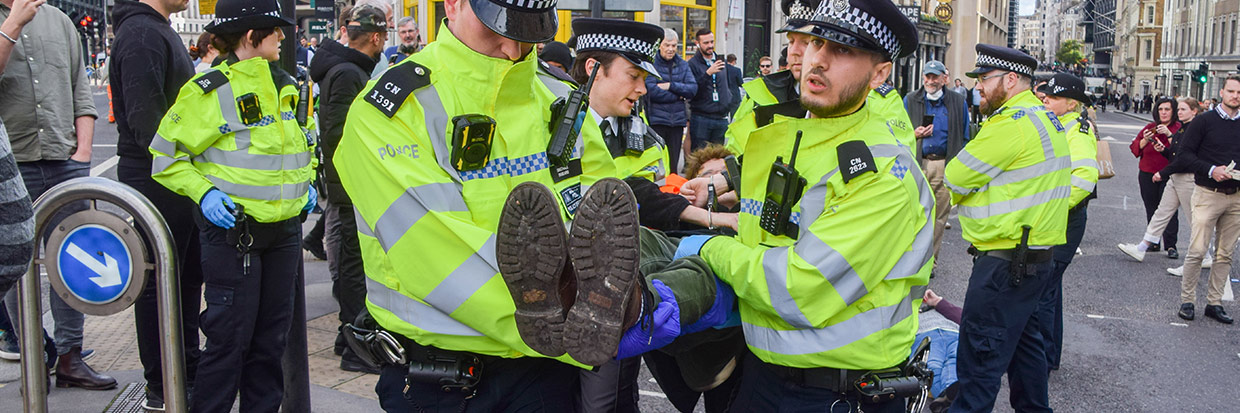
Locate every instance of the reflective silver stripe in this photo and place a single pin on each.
(818, 340)
(1085, 163)
(1013, 205)
(775, 268)
(978, 165)
(161, 163)
(228, 109)
(258, 162)
(261, 193)
(832, 265)
(1048, 149)
(1036, 170)
(415, 312)
(1083, 183)
(436, 119)
(411, 206)
(555, 85)
(163, 145)
(362, 227)
(466, 279)
(922, 249)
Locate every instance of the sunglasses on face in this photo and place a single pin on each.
(764, 66)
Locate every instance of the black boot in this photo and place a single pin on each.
(71, 371)
(532, 250)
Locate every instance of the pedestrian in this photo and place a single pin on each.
(251, 178)
(1148, 146)
(558, 56)
(668, 94)
(999, 331)
(304, 53)
(942, 328)
(148, 71)
(1065, 96)
(341, 72)
(960, 89)
(735, 79)
(975, 104)
(410, 41)
(468, 321)
(17, 244)
(709, 109)
(49, 114)
(764, 66)
(1208, 150)
(783, 58)
(943, 119)
(800, 361)
(775, 96)
(204, 53)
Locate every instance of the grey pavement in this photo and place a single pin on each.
(1125, 350)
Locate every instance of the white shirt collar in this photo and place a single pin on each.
(1219, 108)
(611, 121)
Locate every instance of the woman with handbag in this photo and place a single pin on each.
(1149, 146)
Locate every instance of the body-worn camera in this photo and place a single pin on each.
(472, 135)
(249, 109)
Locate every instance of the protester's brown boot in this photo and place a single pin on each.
(604, 248)
(532, 250)
(71, 371)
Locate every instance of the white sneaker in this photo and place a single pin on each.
(1132, 251)
(1177, 271)
(1207, 262)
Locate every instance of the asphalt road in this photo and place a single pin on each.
(1124, 348)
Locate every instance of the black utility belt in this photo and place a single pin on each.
(449, 370)
(867, 386)
(715, 116)
(1032, 256)
(836, 380)
(934, 157)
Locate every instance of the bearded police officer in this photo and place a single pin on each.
(1065, 96)
(430, 151)
(1011, 187)
(820, 307)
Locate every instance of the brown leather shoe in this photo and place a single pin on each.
(71, 371)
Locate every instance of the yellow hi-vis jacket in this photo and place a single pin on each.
(844, 293)
(1014, 173)
(650, 164)
(427, 230)
(1083, 147)
(202, 143)
(887, 104)
(767, 99)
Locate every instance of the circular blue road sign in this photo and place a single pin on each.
(94, 264)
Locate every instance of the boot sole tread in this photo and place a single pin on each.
(530, 246)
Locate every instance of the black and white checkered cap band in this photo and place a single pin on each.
(799, 11)
(221, 20)
(851, 18)
(616, 43)
(991, 61)
(532, 4)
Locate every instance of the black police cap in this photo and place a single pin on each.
(875, 25)
(1068, 86)
(991, 57)
(526, 21)
(798, 13)
(236, 16)
(636, 42)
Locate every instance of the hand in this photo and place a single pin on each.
(1157, 176)
(922, 132)
(696, 190)
(728, 199)
(1162, 130)
(1219, 173)
(664, 85)
(1158, 146)
(727, 219)
(715, 67)
(312, 201)
(661, 332)
(691, 245)
(930, 298)
(23, 11)
(217, 207)
(81, 155)
(718, 312)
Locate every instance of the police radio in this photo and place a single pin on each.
(472, 135)
(303, 104)
(783, 189)
(566, 118)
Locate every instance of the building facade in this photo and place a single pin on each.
(1100, 31)
(1062, 20)
(190, 23)
(1029, 35)
(975, 21)
(1196, 32)
(1139, 46)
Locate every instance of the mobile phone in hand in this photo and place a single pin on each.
(927, 120)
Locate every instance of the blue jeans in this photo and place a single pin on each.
(704, 130)
(942, 359)
(40, 176)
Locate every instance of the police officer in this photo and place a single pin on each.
(820, 307)
(1065, 95)
(430, 151)
(231, 142)
(886, 102)
(1011, 187)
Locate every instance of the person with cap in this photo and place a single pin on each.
(429, 152)
(774, 96)
(233, 144)
(667, 95)
(1010, 185)
(1065, 96)
(341, 72)
(939, 140)
(820, 307)
(558, 56)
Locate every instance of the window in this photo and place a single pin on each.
(1149, 49)
(1149, 15)
(686, 17)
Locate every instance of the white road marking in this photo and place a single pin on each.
(1108, 138)
(652, 394)
(1228, 295)
(1179, 324)
(1095, 316)
(104, 166)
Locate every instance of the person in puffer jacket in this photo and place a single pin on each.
(667, 113)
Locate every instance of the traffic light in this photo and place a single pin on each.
(85, 21)
(1202, 74)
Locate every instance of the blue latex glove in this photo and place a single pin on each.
(312, 201)
(217, 207)
(691, 245)
(666, 327)
(718, 312)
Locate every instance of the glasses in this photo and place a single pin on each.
(764, 66)
(985, 78)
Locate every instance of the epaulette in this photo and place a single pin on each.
(391, 90)
(765, 114)
(555, 72)
(211, 80)
(885, 89)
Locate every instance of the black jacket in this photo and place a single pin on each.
(735, 79)
(1177, 141)
(341, 73)
(148, 67)
(704, 103)
(1209, 141)
(956, 116)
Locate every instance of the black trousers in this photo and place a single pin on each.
(526, 384)
(1151, 194)
(762, 390)
(178, 212)
(344, 259)
(1050, 308)
(674, 136)
(611, 389)
(667, 374)
(248, 316)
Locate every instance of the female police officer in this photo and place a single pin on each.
(231, 143)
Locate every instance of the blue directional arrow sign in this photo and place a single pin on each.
(95, 264)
